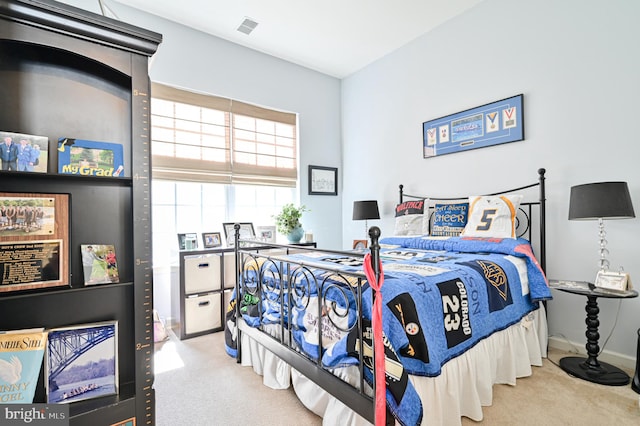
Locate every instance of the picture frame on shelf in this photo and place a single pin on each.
(188, 241)
(247, 232)
(211, 239)
(90, 158)
(266, 234)
(70, 378)
(31, 152)
(34, 230)
(99, 264)
(323, 180)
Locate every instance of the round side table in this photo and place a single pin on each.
(589, 368)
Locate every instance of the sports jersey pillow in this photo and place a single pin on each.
(449, 219)
(492, 216)
(411, 218)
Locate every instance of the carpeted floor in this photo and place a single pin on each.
(197, 383)
(551, 397)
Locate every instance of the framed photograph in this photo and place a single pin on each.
(90, 158)
(360, 244)
(24, 153)
(246, 232)
(323, 180)
(81, 362)
(266, 234)
(490, 124)
(211, 239)
(99, 264)
(34, 241)
(188, 241)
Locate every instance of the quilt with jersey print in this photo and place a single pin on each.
(440, 297)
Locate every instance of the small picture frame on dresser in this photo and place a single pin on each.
(188, 241)
(360, 244)
(211, 239)
(266, 234)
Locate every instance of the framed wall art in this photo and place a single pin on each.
(81, 362)
(246, 232)
(323, 180)
(34, 241)
(90, 158)
(491, 124)
(24, 153)
(211, 239)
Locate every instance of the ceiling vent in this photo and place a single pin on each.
(247, 26)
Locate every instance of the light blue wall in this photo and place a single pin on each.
(196, 61)
(578, 66)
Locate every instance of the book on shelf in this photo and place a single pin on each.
(21, 355)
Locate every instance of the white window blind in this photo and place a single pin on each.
(203, 138)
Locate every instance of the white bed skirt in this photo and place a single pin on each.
(463, 388)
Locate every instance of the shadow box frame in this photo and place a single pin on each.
(37, 246)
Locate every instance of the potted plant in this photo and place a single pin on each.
(288, 222)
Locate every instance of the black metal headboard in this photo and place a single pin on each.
(524, 218)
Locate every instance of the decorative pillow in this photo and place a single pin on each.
(411, 219)
(492, 217)
(449, 219)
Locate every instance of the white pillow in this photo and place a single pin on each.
(492, 216)
(411, 218)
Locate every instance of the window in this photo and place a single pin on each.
(216, 160)
(202, 138)
(181, 207)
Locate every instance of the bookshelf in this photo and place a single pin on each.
(66, 72)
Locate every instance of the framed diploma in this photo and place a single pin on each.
(34, 241)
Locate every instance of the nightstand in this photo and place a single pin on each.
(590, 368)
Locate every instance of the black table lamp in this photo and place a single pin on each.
(364, 210)
(603, 200)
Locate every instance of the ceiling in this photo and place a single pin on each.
(335, 37)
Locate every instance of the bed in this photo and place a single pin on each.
(461, 309)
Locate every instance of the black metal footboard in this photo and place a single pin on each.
(273, 290)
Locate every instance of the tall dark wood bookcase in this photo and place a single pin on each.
(66, 72)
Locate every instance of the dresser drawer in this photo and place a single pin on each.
(202, 313)
(201, 273)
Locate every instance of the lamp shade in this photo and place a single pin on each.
(363, 210)
(610, 200)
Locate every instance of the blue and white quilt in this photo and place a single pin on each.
(440, 298)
